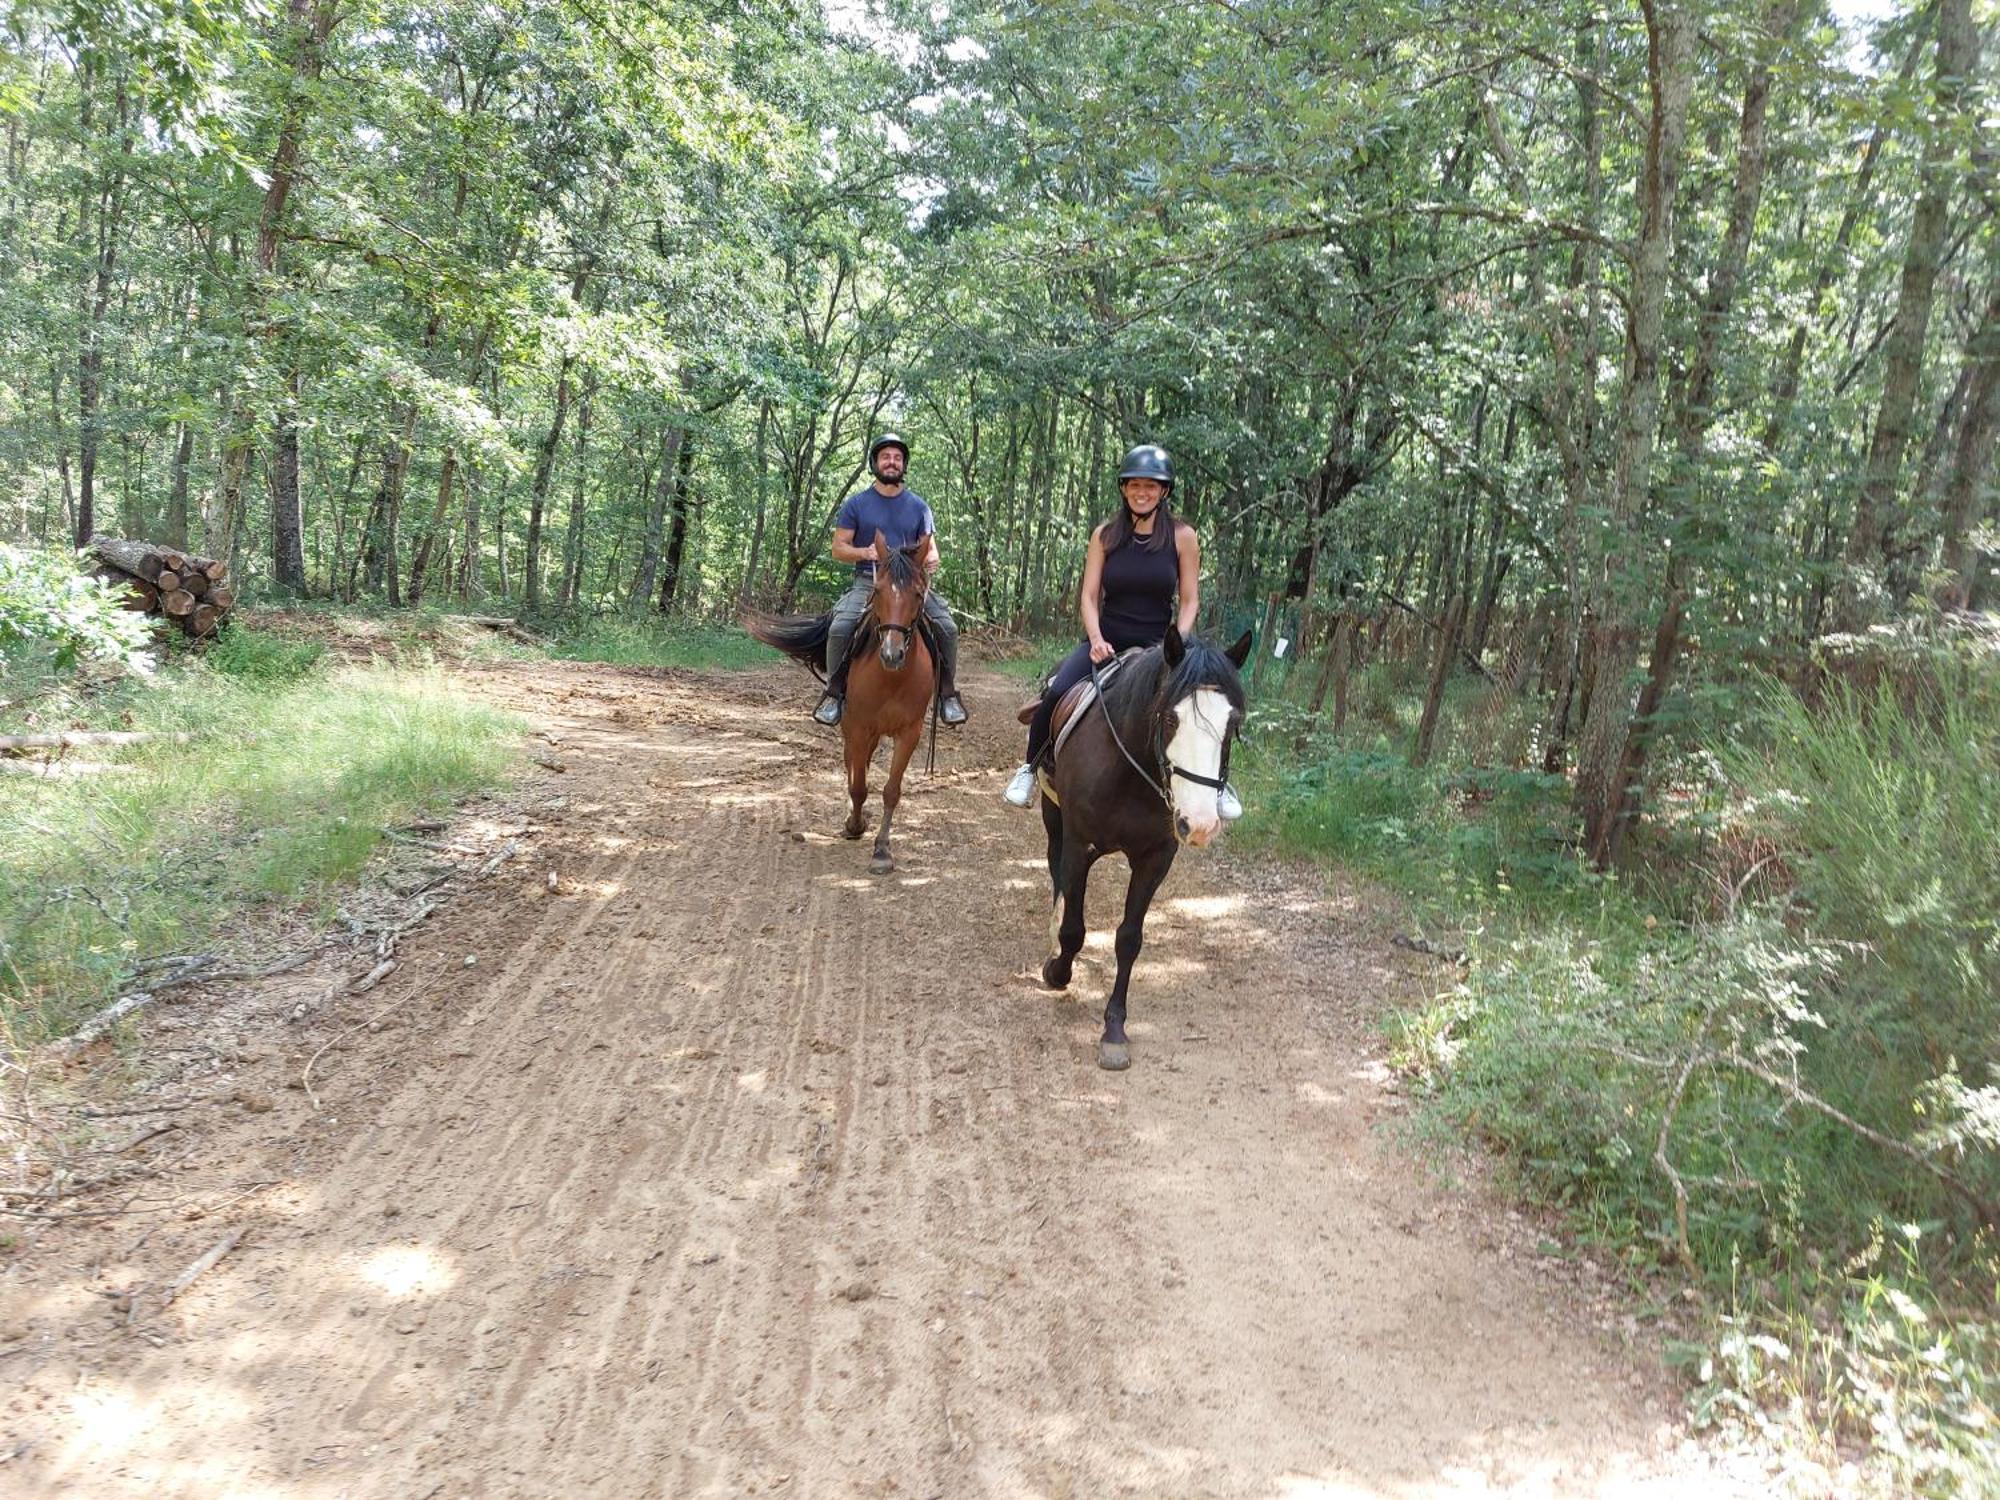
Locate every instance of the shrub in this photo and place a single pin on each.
(46, 603)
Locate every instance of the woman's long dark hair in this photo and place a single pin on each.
(1118, 530)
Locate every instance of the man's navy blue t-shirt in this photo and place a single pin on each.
(898, 519)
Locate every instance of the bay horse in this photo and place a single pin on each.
(891, 681)
(1138, 776)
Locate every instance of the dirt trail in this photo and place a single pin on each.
(729, 1169)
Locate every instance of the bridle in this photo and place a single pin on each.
(1163, 780)
(923, 588)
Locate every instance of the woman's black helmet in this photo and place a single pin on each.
(1148, 461)
(887, 440)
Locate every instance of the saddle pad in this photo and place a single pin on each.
(1076, 702)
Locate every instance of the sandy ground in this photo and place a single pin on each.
(730, 1169)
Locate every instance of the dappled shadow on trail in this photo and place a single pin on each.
(730, 1168)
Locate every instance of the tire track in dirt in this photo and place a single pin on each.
(731, 1169)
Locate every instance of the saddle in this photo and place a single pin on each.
(1075, 703)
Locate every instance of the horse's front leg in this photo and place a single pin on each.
(1114, 1051)
(857, 750)
(881, 862)
(1066, 921)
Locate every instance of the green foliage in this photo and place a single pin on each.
(282, 795)
(261, 656)
(1897, 1376)
(1442, 835)
(1882, 810)
(46, 605)
(627, 642)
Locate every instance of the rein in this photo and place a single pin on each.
(1159, 784)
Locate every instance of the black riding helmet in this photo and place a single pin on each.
(886, 440)
(1148, 461)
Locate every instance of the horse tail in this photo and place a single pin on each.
(801, 637)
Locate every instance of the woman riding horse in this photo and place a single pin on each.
(1139, 560)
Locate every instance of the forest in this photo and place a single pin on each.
(1592, 407)
(1609, 348)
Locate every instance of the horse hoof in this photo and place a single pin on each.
(881, 865)
(853, 833)
(1114, 1057)
(1055, 978)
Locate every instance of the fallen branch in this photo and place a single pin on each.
(305, 1078)
(373, 977)
(102, 1022)
(502, 625)
(61, 770)
(1988, 1212)
(202, 1265)
(13, 743)
(1429, 949)
(506, 853)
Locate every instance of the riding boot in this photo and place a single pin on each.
(828, 709)
(950, 709)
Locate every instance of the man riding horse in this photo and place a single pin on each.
(900, 517)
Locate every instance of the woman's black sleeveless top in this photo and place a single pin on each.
(1139, 588)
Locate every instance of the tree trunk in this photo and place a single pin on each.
(654, 544)
(572, 571)
(177, 494)
(435, 531)
(1670, 73)
(538, 493)
(677, 530)
(1696, 412)
(307, 25)
(763, 501)
(1441, 665)
(1785, 390)
(1876, 539)
(90, 353)
(1968, 486)
(288, 558)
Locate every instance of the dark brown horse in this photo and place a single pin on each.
(891, 682)
(1138, 776)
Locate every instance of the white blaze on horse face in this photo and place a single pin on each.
(1200, 729)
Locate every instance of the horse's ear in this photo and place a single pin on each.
(1174, 646)
(918, 548)
(881, 548)
(1240, 652)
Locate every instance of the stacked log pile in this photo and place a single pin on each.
(192, 593)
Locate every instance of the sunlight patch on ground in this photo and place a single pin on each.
(753, 1083)
(109, 1421)
(1205, 906)
(405, 1271)
(1313, 1093)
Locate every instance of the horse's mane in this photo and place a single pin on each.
(902, 568)
(903, 574)
(1148, 685)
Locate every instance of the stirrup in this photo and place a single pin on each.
(950, 709)
(827, 711)
(1021, 790)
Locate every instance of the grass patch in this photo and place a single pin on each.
(282, 797)
(627, 642)
(1811, 938)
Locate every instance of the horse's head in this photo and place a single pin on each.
(898, 598)
(1198, 707)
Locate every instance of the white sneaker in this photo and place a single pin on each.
(1228, 806)
(1021, 790)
